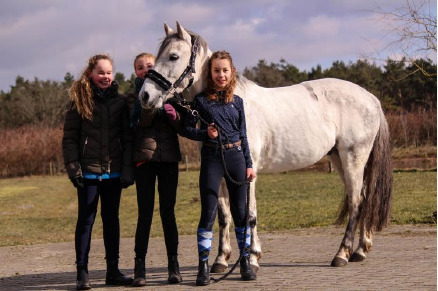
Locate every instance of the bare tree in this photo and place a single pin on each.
(413, 27)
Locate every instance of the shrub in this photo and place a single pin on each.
(30, 150)
(37, 149)
(413, 129)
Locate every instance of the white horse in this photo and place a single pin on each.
(290, 128)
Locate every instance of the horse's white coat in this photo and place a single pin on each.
(293, 127)
(289, 128)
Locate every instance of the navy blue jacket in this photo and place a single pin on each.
(229, 117)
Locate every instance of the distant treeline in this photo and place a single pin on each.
(32, 112)
(400, 88)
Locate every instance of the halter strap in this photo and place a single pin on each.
(159, 79)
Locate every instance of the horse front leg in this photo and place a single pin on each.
(224, 218)
(256, 248)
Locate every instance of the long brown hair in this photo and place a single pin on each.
(81, 93)
(212, 90)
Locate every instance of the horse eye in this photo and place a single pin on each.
(173, 57)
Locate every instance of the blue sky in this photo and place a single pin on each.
(48, 38)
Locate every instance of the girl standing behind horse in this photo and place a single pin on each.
(219, 107)
(97, 148)
(156, 155)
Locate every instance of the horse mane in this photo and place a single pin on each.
(175, 37)
(243, 82)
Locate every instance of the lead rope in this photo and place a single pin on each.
(238, 183)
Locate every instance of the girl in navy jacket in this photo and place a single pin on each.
(220, 108)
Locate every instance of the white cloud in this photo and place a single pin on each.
(322, 26)
(48, 38)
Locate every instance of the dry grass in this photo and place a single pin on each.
(43, 209)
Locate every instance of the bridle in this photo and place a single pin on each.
(168, 87)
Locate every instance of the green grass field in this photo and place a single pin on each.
(43, 209)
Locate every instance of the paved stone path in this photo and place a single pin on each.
(402, 258)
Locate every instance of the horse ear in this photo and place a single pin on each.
(183, 33)
(167, 29)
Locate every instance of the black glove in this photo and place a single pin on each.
(77, 181)
(125, 184)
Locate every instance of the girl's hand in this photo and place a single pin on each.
(250, 175)
(212, 131)
(170, 112)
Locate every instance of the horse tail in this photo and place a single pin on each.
(375, 210)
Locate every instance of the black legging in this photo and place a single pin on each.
(109, 192)
(145, 176)
(210, 177)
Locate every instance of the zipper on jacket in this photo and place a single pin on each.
(85, 144)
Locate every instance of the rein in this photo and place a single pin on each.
(245, 219)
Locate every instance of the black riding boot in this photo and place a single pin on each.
(114, 276)
(246, 271)
(203, 277)
(139, 272)
(82, 281)
(173, 269)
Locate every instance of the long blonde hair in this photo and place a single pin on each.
(81, 93)
(211, 87)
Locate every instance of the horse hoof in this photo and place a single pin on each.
(338, 262)
(218, 268)
(255, 268)
(356, 258)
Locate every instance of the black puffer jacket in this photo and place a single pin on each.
(104, 144)
(156, 137)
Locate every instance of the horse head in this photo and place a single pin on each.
(181, 67)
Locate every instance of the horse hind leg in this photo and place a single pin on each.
(224, 218)
(337, 164)
(353, 163)
(364, 246)
(378, 180)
